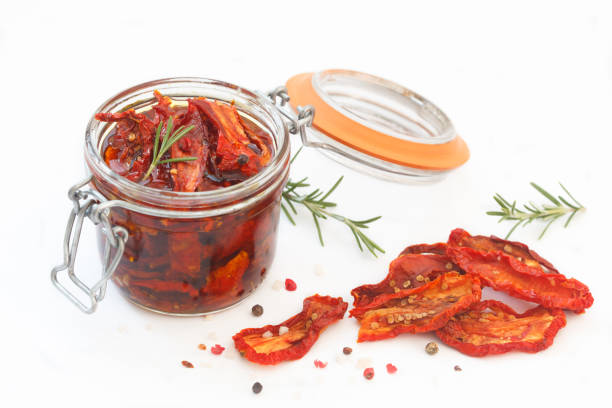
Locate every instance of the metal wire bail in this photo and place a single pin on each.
(86, 204)
(296, 123)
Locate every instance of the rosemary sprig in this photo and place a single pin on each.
(318, 204)
(167, 141)
(546, 212)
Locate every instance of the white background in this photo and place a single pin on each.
(527, 84)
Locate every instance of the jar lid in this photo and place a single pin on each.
(378, 126)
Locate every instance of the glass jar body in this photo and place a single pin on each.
(199, 252)
(195, 266)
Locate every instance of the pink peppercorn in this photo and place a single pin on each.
(320, 364)
(368, 373)
(217, 349)
(391, 369)
(290, 285)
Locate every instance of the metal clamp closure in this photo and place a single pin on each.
(297, 123)
(86, 203)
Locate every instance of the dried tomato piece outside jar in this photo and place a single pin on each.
(293, 338)
(513, 268)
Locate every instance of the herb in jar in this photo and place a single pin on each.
(167, 141)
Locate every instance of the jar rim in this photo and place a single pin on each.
(253, 104)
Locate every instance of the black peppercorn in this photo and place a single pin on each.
(257, 387)
(257, 310)
(243, 159)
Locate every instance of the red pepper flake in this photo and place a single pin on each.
(202, 346)
(368, 373)
(391, 369)
(187, 364)
(290, 285)
(217, 349)
(320, 364)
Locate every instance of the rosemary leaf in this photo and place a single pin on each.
(178, 159)
(545, 212)
(167, 141)
(316, 203)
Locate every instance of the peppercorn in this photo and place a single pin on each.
(347, 350)
(320, 364)
(202, 346)
(290, 285)
(368, 373)
(187, 364)
(257, 387)
(217, 349)
(431, 348)
(457, 368)
(257, 310)
(243, 159)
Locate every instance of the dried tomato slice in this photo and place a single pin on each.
(235, 156)
(492, 327)
(521, 252)
(267, 346)
(405, 272)
(129, 152)
(166, 286)
(195, 143)
(418, 310)
(438, 248)
(517, 275)
(227, 278)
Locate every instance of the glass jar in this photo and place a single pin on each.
(195, 253)
(186, 253)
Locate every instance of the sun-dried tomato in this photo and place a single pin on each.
(234, 158)
(266, 345)
(227, 278)
(417, 310)
(515, 269)
(129, 149)
(492, 327)
(518, 250)
(405, 272)
(438, 249)
(165, 286)
(196, 143)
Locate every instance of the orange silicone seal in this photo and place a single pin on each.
(337, 125)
